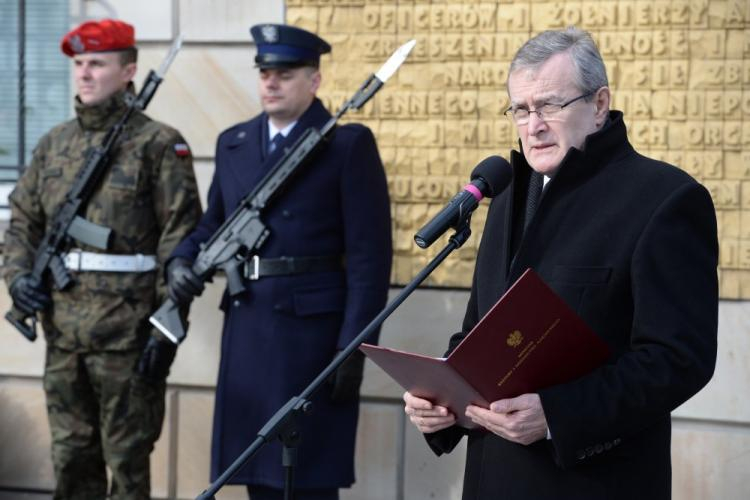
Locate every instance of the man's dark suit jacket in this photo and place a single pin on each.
(286, 329)
(629, 243)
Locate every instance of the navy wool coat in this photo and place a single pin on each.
(286, 329)
(629, 243)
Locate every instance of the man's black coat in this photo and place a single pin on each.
(629, 243)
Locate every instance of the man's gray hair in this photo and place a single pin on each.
(590, 71)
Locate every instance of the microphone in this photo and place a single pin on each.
(491, 176)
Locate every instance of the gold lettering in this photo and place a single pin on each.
(400, 186)
(468, 133)
(418, 104)
(678, 74)
(485, 47)
(679, 44)
(641, 105)
(643, 13)
(713, 165)
(487, 17)
(698, 12)
(470, 17)
(658, 134)
(677, 106)
(732, 135)
(371, 17)
(695, 134)
(453, 46)
(453, 17)
(679, 13)
(435, 103)
(469, 74)
(733, 75)
(405, 19)
(713, 103)
(642, 43)
(661, 14)
(437, 18)
(713, 134)
(660, 75)
(422, 17)
(451, 103)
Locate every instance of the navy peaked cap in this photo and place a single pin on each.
(282, 46)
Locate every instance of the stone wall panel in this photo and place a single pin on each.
(678, 70)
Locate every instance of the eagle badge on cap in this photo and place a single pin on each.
(77, 44)
(270, 33)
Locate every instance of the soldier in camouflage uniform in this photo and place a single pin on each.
(105, 368)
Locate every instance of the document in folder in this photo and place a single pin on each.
(529, 340)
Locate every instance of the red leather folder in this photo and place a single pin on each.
(529, 340)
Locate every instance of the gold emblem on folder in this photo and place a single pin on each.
(515, 338)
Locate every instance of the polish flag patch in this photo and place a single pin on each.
(181, 149)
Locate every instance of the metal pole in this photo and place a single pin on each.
(21, 86)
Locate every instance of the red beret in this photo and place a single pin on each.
(98, 36)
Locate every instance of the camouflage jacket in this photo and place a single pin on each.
(149, 199)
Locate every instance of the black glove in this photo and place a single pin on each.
(156, 359)
(347, 378)
(29, 296)
(182, 283)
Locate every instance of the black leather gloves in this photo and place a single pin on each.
(182, 283)
(156, 359)
(29, 296)
(347, 378)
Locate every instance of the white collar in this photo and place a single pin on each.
(272, 130)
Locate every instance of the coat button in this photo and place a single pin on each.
(277, 307)
(286, 214)
(581, 455)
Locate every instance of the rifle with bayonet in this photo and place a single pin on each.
(243, 233)
(68, 223)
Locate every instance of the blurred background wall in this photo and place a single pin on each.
(680, 70)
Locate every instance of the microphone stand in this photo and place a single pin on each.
(283, 425)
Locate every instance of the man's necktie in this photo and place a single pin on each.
(277, 139)
(536, 182)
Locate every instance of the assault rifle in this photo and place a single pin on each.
(243, 233)
(68, 223)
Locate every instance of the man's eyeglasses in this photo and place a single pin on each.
(546, 111)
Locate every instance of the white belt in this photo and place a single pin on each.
(78, 260)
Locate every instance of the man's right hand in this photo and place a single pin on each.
(427, 417)
(182, 283)
(29, 296)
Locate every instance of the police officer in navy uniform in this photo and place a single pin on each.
(318, 280)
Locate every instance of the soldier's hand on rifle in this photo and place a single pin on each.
(29, 296)
(182, 283)
(347, 378)
(156, 359)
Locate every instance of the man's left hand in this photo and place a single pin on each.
(347, 378)
(156, 359)
(520, 419)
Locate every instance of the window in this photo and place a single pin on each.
(46, 82)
